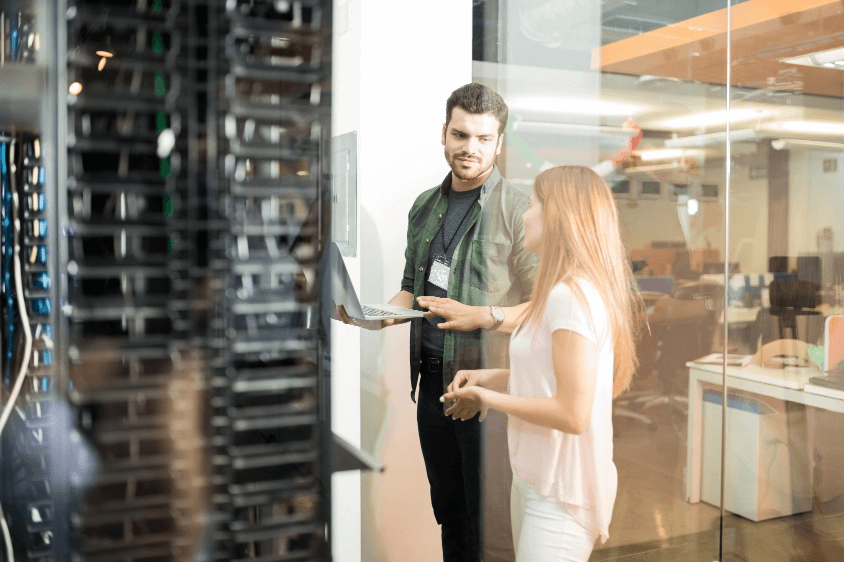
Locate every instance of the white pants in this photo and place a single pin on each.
(543, 531)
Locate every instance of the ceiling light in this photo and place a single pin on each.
(654, 168)
(713, 138)
(713, 118)
(692, 206)
(666, 154)
(75, 88)
(819, 127)
(570, 129)
(780, 144)
(576, 106)
(829, 59)
(105, 54)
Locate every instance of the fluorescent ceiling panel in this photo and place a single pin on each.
(713, 118)
(816, 127)
(833, 58)
(571, 129)
(574, 106)
(780, 144)
(667, 154)
(712, 139)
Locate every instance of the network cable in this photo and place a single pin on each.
(24, 360)
(6, 269)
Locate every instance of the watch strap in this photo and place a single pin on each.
(497, 317)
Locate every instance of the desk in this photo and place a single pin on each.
(742, 315)
(786, 384)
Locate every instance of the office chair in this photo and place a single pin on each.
(685, 331)
(651, 287)
(624, 405)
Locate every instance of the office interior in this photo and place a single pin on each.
(173, 388)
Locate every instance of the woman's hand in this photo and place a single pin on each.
(458, 316)
(477, 377)
(476, 394)
(466, 409)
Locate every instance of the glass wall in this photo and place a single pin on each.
(730, 207)
(783, 473)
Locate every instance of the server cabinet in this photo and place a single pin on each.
(164, 204)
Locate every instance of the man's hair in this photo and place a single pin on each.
(478, 99)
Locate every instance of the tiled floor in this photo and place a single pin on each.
(652, 522)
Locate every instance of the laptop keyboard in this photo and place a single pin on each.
(369, 311)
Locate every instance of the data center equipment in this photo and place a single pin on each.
(165, 206)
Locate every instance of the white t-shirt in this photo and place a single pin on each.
(576, 470)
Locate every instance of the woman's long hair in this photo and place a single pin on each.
(581, 239)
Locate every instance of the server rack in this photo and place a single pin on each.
(176, 405)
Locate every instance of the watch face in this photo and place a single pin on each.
(498, 314)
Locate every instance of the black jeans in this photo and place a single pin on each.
(451, 449)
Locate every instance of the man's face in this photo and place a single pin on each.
(471, 143)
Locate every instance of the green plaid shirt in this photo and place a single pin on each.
(489, 266)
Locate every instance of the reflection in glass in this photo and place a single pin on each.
(566, 75)
(785, 208)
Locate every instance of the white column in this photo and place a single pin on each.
(393, 71)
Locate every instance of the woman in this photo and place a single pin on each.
(571, 354)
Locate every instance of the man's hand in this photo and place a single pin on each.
(339, 313)
(458, 316)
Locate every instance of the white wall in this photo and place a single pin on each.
(345, 340)
(412, 57)
(393, 71)
(815, 200)
(749, 217)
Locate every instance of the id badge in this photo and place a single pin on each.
(439, 274)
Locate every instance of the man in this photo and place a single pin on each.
(465, 253)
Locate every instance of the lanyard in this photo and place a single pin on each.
(442, 228)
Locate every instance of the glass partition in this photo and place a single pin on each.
(783, 488)
(718, 126)
(572, 75)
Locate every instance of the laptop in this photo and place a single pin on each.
(343, 292)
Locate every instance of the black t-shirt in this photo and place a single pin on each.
(456, 221)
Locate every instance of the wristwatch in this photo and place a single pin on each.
(497, 316)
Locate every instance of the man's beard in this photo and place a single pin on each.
(454, 164)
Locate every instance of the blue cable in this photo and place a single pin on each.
(40, 203)
(14, 35)
(39, 228)
(6, 271)
(41, 280)
(41, 254)
(42, 306)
